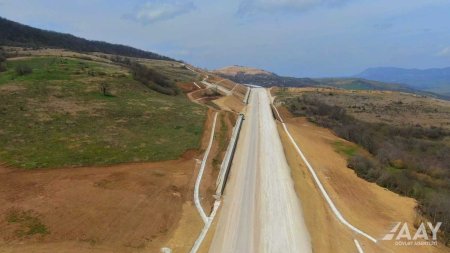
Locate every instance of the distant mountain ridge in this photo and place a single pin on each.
(236, 69)
(434, 80)
(16, 34)
(249, 75)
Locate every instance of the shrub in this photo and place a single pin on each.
(364, 167)
(2, 60)
(22, 70)
(105, 89)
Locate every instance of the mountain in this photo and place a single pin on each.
(434, 80)
(265, 78)
(248, 75)
(235, 70)
(16, 34)
(362, 84)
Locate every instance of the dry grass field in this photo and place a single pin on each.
(390, 107)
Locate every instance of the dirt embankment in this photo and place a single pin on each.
(369, 207)
(230, 103)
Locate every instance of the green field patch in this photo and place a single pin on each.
(28, 223)
(345, 148)
(54, 68)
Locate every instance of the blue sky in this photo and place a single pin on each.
(289, 37)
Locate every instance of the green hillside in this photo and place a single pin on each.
(59, 111)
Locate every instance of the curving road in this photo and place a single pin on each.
(261, 211)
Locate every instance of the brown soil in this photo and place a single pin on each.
(187, 87)
(230, 103)
(11, 88)
(327, 234)
(240, 90)
(365, 205)
(227, 84)
(122, 208)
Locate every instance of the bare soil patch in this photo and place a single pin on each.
(11, 88)
(122, 208)
(230, 103)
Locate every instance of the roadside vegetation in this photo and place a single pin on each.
(409, 159)
(222, 139)
(59, 111)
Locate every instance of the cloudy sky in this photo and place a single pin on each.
(290, 37)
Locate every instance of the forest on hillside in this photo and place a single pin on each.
(16, 34)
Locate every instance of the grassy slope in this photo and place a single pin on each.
(57, 116)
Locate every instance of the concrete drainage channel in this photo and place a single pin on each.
(228, 158)
(223, 176)
(247, 95)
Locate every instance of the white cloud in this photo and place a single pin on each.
(158, 10)
(252, 6)
(445, 52)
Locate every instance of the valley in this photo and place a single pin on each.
(106, 147)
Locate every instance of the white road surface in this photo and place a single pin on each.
(261, 211)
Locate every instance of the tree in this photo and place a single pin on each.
(2, 60)
(104, 89)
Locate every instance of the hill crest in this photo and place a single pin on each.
(234, 70)
(20, 35)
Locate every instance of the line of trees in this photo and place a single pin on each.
(16, 34)
(153, 79)
(411, 160)
(148, 76)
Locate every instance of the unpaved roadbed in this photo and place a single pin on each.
(261, 211)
